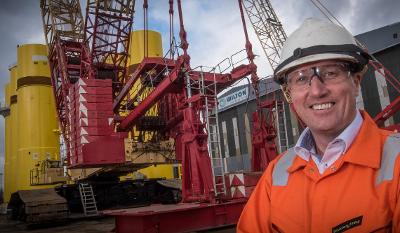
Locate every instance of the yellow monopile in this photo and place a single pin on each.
(38, 138)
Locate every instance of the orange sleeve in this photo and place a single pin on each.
(396, 217)
(255, 216)
(396, 212)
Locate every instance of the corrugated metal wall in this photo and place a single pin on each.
(391, 59)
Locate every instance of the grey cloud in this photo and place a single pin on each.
(357, 15)
(375, 14)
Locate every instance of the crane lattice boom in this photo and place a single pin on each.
(268, 28)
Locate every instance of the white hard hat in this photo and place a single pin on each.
(317, 40)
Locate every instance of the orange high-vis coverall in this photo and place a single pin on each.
(360, 192)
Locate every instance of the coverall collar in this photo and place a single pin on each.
(360, 152)
(364, 151)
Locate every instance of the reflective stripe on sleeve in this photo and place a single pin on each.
(391, 150)
(280, 174)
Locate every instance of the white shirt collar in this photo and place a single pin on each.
(350, 132)
(305, 146)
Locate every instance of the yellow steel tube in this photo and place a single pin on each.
(37, 120)
(138, 49)
(13, 122)
(7, 147)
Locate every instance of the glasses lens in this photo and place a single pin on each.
(329, 73)
(298, 78)
(332, 72)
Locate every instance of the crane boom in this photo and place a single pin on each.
(267, 27)
(94, 48)
(62, 20)
(107, 32)
(63, 29)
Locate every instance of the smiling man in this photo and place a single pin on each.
(343, 175)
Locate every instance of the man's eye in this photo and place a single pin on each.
(301, 79)
(329, 74)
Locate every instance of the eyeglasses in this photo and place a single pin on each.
(327, 74)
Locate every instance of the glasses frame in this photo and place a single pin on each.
(346, 65)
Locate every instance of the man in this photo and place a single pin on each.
(344, 172)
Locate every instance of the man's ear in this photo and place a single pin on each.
(357, 81)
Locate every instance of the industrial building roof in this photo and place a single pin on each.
(381, 38)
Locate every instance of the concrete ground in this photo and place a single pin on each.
(95, 225)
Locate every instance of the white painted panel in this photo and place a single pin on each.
(225, 139)
(236, 136)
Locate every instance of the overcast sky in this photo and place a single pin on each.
(213, 27)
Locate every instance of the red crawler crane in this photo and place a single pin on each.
(190, 122)
(79, 53)
(65, 48)
(88, 68)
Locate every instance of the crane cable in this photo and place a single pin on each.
(146, 28)
(326, 12)
(171, 29)
(329, 15)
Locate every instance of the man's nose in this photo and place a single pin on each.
(315, 75)
(317, 87)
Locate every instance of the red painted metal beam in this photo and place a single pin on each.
(389, 111)
(393, 107)
(197, 177)
(183, 217)
(263, 142)
(148, 63)
(223, 81)
(158, 92)
(393, 127)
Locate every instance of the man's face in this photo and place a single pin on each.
(328, 107)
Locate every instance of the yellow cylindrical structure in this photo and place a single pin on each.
(7, 147)
(147, 44)
(143, 44)
(13, 135)
(138, 49)
(37, 119)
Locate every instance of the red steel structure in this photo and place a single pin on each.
(88, 67)
(184, 115)
(96, 49)
(63, 28)
(171, 80)
(107, 32)
(394, 106)
(271, 35)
